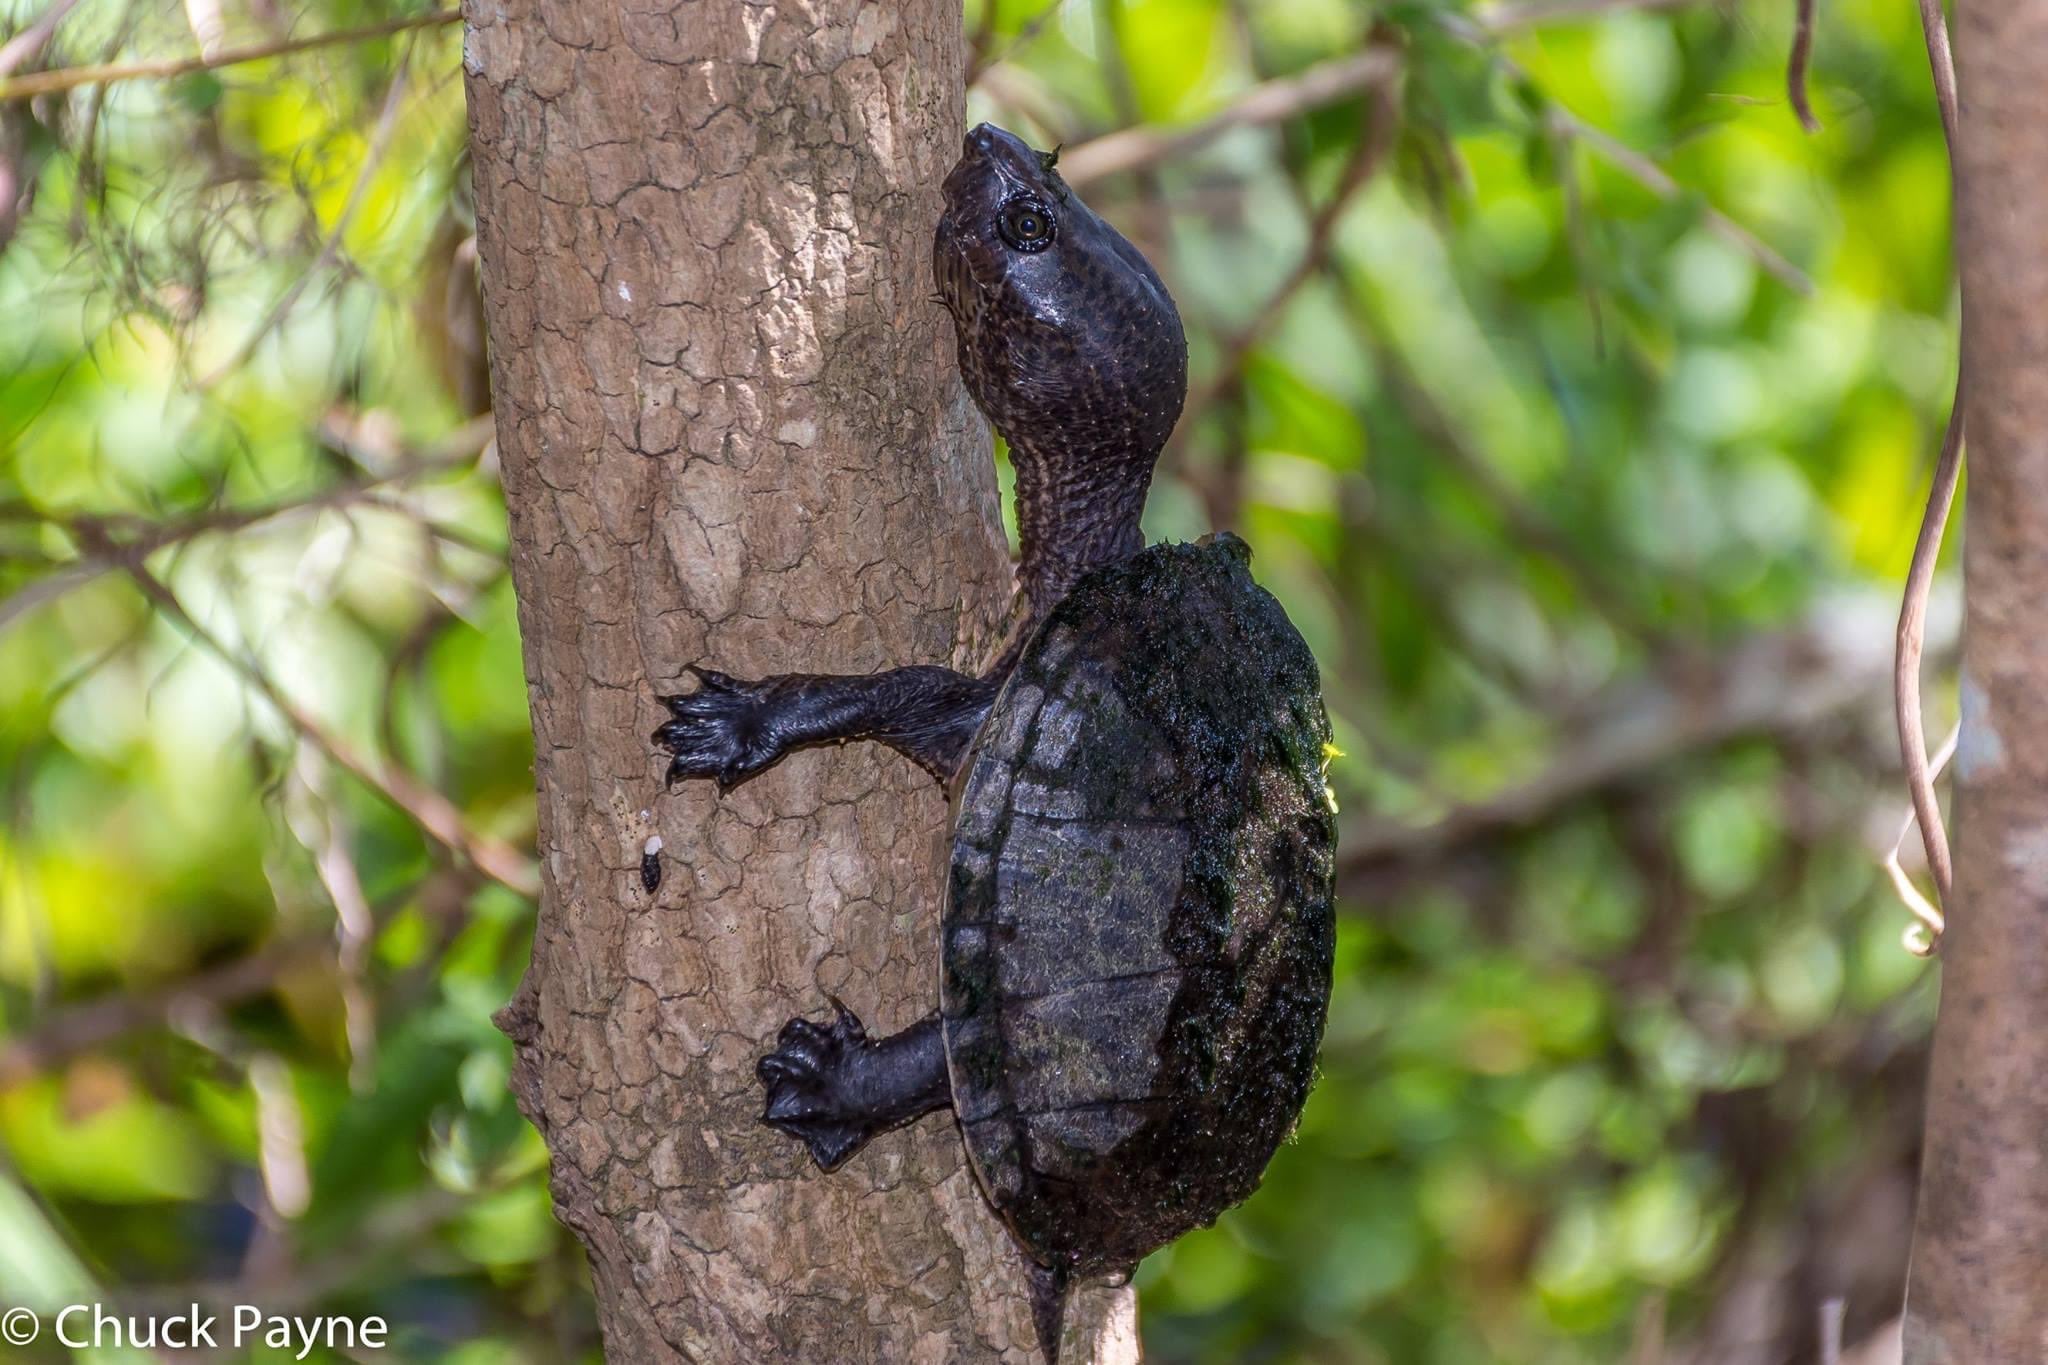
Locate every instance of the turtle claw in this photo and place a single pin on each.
(721, 731)
(814, 1094)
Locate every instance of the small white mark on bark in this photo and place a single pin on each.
(756, 22)
(797, 433)
(1979, 750)
(624, 292)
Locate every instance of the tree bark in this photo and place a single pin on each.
(732, 433)
(1979, 1288)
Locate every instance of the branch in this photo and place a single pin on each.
(1795, 66)
(1575, 230)
(1640, 168)
(1505, 19)
(66, 1033)
(1927, 550)
(980, 59)
(1367, 154)
(1772, 686)
(1536, 533)
(429, 809)
(1658, 181)
(373, 159)
(1924, 934)
(1151, 225)
(188, 1001)
(24, 45)
(1978, 1281)
(1269, 102)
(71, 78)
(319, 827)
(460, 448)
(1942, 66)
(1911, 644)
(1276, 101)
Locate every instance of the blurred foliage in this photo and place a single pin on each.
(1529, 445)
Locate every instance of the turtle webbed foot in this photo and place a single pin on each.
(814, 1088)
(723, 730)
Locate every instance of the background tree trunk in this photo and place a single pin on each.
(732, 433)
(1979, 1291)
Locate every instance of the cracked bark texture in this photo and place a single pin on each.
(1979, 1288)
(732, 433)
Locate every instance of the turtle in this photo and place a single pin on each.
(1137, 934)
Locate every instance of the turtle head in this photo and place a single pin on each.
(1067, 336)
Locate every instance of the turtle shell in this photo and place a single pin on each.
(1138, 932)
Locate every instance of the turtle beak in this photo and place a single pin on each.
(973, 171)
(992, 161)
(980, 141)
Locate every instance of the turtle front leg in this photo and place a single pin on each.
(729, 729)
(832, 1088)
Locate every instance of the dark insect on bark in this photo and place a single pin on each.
(1138, 936)
(650, 866)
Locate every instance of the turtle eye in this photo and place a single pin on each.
(1026, 225)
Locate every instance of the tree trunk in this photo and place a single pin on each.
(1979, 1291)
(732, 434)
